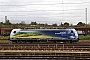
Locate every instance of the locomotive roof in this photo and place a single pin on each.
(45, 29)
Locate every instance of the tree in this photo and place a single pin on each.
(33, 23)
(81, 24)
(41, 25)
(1, 23)
(7, 22)
(61, 24)
(46, 24)
(54, 25)
(22, 22)
(66, 24)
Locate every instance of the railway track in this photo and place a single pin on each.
(45, 54)
(75, 51)
(76, 46)
(8, 41)
(48, 57)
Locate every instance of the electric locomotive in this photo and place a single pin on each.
(56, 35)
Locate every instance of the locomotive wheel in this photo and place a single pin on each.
(70, 41)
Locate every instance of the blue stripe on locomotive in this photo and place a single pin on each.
(56, 33)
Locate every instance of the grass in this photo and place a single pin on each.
(81, 37)
(86, 37)
(4, 37)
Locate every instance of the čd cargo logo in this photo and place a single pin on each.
(61, 33)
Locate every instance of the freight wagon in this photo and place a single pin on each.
(55, 35)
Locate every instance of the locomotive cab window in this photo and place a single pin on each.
(14, 32)
(71, 31)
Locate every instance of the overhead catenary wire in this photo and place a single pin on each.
(27, 3)
(30, 13)
(43, 10)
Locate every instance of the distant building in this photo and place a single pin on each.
(5, 31)
(5, 19)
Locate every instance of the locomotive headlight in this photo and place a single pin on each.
(72, 37)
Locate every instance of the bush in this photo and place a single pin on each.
(4, 37)
(82, 37)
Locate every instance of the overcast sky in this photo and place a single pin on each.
(45, 11)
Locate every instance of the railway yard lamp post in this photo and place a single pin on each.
(86, 19)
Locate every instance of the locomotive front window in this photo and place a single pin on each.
(71, 31)
(14, 32)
